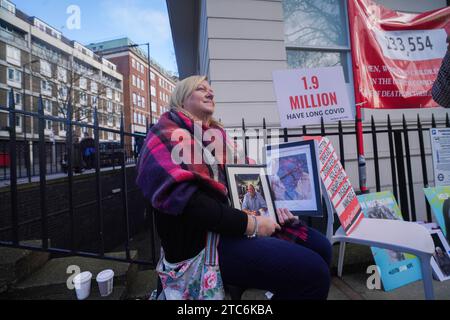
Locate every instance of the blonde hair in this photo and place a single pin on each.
(182, 91)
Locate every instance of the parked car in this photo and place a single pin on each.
(111, 153)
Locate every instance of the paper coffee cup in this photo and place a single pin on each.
(105, 282)
(82, 284)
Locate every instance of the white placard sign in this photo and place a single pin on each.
(440, 148)
(306, 95)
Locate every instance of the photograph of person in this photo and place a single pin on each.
(293, 177)
(291, 181)
(251, 195)
(250, 190)
(441, 256)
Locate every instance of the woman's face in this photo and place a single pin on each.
(201, 102)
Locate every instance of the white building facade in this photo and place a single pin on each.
(239, 43)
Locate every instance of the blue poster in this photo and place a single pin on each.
(436, 197)
(396, 268)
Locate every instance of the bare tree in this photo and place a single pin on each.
(69, 80)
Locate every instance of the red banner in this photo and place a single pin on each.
(396, 56)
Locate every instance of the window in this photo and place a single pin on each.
(83, 83)
(47, 106)
(17, 100)
(14, 77)
(153, 91)
(110, 120)
(133, 63)
(109, 93)
(143, 102)
(62, 127)
(83, 98)
(13, 55)
(142, 68)
(110, 135)
(135, 117)
(316, 34)
(46, 87)
(94, 101)
(94, 87)
(48, 125)
(133, 77)
(117, 96)
(46, 68)
(142, 84)
(62, 92)
(160, 82)
(139, 101)
(8, 6)
(62, 74)
(152, 76)
(153, 107)
(19, 123)
(134, 99)
(109, 106)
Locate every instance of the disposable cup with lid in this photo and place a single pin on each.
(82, 284)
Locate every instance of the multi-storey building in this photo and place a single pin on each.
(37, 60)
(144, 101)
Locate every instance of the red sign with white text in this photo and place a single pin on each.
(396, 56)
(338, 186)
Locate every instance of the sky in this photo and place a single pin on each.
(141, 20)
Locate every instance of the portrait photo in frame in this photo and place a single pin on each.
(440, 261)
(294, 180)
(249, 190)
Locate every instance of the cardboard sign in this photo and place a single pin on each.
(304, 96)
(396, 268)
(339, 188)
(440, 149)
(436, 197)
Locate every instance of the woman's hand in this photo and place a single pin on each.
(285, 216)
(266, 226)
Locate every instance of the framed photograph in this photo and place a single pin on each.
(440, 261)
(249, 190)
(294, 177)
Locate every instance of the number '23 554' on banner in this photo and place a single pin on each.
(412, 45)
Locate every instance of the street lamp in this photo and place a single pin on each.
(149, 76)
(29, 158)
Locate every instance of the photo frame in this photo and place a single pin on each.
(294, 177)
(440, 261)
(241, 179)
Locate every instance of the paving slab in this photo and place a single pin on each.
(51, 280)
(412, 291)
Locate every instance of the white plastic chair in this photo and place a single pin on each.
(401, 236)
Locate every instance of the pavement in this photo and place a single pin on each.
(353, 287)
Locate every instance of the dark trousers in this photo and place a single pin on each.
(289, 270)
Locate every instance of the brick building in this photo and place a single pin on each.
(140, 107)
(36, 59)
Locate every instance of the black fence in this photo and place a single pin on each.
(27, 157)
(47, 160)
(397, 175)
(401, 181)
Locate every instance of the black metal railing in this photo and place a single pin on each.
(45, 163)
(395, 138)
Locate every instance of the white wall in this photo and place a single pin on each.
(246, 43)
